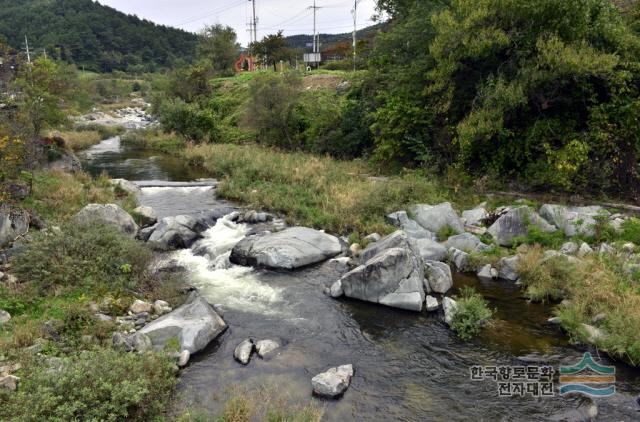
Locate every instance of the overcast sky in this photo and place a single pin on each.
(293, 17)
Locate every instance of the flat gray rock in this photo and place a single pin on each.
(289, 249)
(194, 325)
(109, 214)
(437, 217)
(397, 239)
(430, 250)
(333, 382)
(393, 278)
(466, 242)
(414, 230)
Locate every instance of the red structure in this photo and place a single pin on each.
(245, 63)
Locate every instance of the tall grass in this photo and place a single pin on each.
(311, 190)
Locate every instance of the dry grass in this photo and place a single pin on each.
(321, 192)
(598, 285)
(79, 140)
(58, 195)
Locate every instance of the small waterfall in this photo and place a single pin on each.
(223, 284)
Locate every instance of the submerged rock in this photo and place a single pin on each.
(438, 277)
(289, 249)
(515, 223)
(242, 352)
(333, 382)
(109, 214)
(437, 217)
(266, 347)
(393, 278)
(194, 324)
(176, 233)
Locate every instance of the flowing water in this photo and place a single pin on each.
(409, 366)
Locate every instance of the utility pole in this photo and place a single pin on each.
(26, 43)
(316, 36)
(255, 22)
(355, 32)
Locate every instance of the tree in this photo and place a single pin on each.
(218, 47)
(43, 87)
(273, 49)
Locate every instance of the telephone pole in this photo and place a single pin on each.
(355, 32)
(316, 36)
(26, 43)
(254, 22)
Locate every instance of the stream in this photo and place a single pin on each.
(409, 367)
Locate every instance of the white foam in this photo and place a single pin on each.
(179, 190)
(223, 283)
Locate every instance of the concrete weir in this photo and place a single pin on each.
(204, 183)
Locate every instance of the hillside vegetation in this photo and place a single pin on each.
(89, 34)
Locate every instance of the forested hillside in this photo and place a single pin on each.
(94, 36)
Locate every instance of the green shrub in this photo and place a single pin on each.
(83, 257)
(545, 279)
(471, 315)
(102, 385)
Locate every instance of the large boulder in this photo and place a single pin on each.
(146, 215)
(333, 382)
(109, 214)
(194, 325)
(466, 242)
(573, 221)
(508, 268)
(176, 233)
(14, 222)
(437, 217)
(414, 230)
(393, 278)
(430, 250)
(516, 223)
(438, 277)
(289, 249)
(398, 239)
(474, 217)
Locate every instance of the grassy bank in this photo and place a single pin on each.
(69, 370)
(84, 137)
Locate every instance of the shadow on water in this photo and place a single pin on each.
(409, 366)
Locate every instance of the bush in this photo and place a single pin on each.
(189, 121)
(471, 315)
(102, 385)
(545, 279)
(83, 257)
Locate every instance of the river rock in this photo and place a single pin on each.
(109, 214)
(137, 342)
(333, 382)
(397, 239)
(460, 259)
(466, 242)
(340, 265)
(438, 277)
(355, 250)
(569, 248)
(432, 304)
(474, 217)
(393, 278)
(178, 232)
(606, 249)
(336, 290)
(127, 186)
(9, 382)
(508, 268)
(449, 306)
(243, 351)
(584, 250)
(146, 215)
(69, 163)
(372, 238)
(414, 230)
(160, 307)
(430, 250)
(194, 324)
(486, 273)
(289, 249)
(4, 317)
(140, 306)
(14, 222)
(594, 334)
(515, 223)
(265, 347)
(573, 220)
(183, 358)
(437, 217)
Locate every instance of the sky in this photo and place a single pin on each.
(294, 17)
